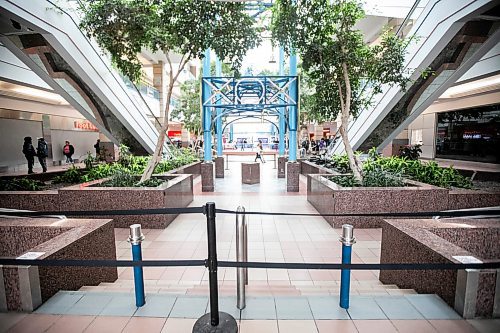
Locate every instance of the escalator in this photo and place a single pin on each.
(47, 39)
(452, 36)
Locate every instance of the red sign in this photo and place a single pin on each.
(85, 125)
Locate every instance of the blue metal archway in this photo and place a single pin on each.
(250, 95)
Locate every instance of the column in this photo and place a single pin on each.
(293, 115)
(159, 83)
(282, 110)
(218, 123)
(207, 114)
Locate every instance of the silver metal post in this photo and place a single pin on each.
(241, 255)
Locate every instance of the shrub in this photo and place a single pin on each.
(396, 167)
(126, 179)
(410, 152)
(70, 176)
(21, 184)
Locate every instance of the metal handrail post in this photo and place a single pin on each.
(136, 237)
(241, 255)
(347, 241)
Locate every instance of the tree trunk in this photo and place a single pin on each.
(148, 172)
(354, 163)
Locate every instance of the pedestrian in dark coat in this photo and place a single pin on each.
(29, 152)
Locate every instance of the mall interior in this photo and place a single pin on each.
(57, 83)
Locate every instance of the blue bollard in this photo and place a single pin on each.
(347, 241)
(136, 237)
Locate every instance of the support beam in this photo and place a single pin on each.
(293, 115)
(218, 123)
(206, 112)
(281, 144)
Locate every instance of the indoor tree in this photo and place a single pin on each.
(189, 106)
(344, 71)
(183, 27)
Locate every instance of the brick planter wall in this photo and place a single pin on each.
(439, 241)
(70, 239)
(177, 192)
(330, 198)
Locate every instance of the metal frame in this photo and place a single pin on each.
(246, 97)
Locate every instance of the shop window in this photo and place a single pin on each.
(469, 134)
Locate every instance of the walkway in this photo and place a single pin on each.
(284, 301)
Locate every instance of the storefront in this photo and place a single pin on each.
(471, 134)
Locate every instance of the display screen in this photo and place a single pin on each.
(469, 134)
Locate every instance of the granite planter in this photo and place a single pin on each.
(310, 168)
(192, 168)
(473, 293)
(26, 287)
(461, 199)
(177, 191)
(330, 198)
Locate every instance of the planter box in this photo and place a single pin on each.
(471, 292)
(177, 191)
(460, 199)
(193, 168)
(310, 168)
(329, 198)
(26, 287)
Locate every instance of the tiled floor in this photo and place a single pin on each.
(284, 301)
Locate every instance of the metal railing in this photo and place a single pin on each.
(241, 256)
(221, 321)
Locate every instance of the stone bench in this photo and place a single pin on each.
(250, 173)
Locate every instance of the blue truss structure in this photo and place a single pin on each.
(250, 96)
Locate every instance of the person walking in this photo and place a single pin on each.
(260, 150)
(97, 150)
(68, 151)
(29, 152)
(42, 151)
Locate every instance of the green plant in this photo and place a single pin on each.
(372, 177)
(344, 71)
(71, 176)
(182, 27)
(89, 161)
(411, 152)
(125, 179)
(21, 184)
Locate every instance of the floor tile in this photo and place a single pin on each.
(364, 308)
(259, 308)
(486, 326)
(189, 307)
(228, 305)
(333, 326)
(144, 325)
(59, 303)
(327, 308)
(260, 326)
(398, 308)
(413, 326)
(432, 307)
(292, 308)
(120, 306)
(453, 326)
(178, 325)
(90, 304)
(374, 326)
(9, 319)
(156, 306)
(104, 324)
(34, 323)
(297, 326)
(73, 324)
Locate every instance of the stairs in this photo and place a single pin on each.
(256, 288)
